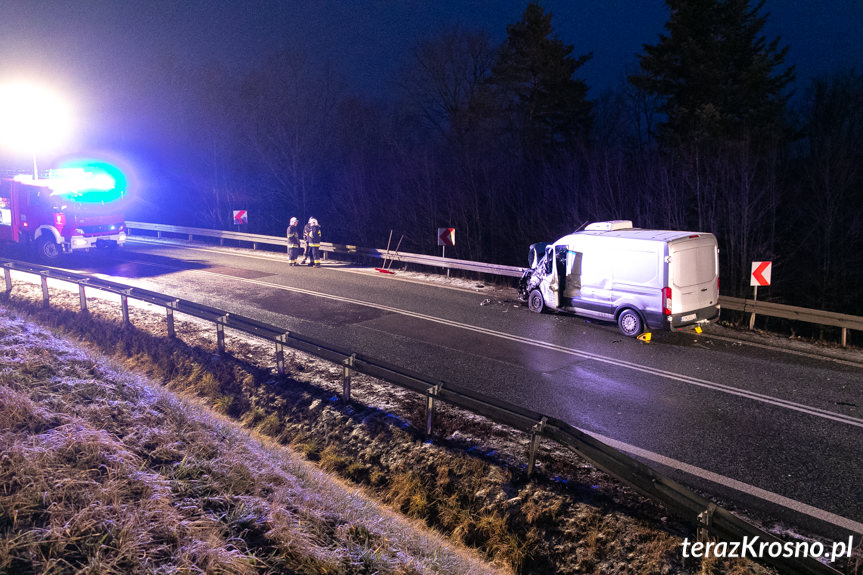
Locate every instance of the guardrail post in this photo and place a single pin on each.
(44, 288)
(124, 305)
(346, 378)
(169, 318)
(844, 336)
(535, 434)
(220, 333)
(82, 296)
(752, 316)
(430, 395)
(8, 275)
(705, 521)
(280, 352)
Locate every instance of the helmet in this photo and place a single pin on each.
(294, 221)
(313, 221)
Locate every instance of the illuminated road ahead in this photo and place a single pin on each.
(747, 422)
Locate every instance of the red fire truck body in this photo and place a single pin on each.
(54, 218)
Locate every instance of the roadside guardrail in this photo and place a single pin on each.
(816, 316)
(395, 256)
(709, 519)
(819, 317)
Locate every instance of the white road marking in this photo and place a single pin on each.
(752, 395)
(271, 257)
(778, 402)
(774, 498)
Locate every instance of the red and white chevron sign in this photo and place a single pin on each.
(241, 217)
(446, 236)
(761, 273)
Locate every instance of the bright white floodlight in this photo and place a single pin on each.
(32, 119)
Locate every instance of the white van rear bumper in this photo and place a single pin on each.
(692, 318)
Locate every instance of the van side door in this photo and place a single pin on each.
(589, 283)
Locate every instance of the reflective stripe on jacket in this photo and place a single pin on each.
(293, 237)
(315, 236)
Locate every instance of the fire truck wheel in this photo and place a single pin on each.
(47, 249)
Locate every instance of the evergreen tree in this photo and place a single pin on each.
(533, 77)
(715, 72)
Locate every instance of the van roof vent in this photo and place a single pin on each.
(609, 226)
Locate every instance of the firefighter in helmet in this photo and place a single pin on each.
(307, 253)
(314, 243)
(293, 241)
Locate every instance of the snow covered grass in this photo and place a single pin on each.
(103, 472)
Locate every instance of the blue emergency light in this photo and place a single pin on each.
(87, 181)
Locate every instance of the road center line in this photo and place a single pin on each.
(770, 496)
(778, 402)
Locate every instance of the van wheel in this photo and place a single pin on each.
(47, 249)
(535, 302)
(630, 323)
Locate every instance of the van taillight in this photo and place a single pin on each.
(666, 301)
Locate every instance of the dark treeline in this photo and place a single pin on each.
(503, 143)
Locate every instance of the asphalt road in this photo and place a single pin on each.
(763, 427)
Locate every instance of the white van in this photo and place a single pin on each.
(641, 279)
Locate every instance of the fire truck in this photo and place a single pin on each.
(69, 211)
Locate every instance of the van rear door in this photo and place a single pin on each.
(693, 274)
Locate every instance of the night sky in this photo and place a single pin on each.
(90, 49)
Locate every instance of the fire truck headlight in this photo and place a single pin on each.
(79, 242)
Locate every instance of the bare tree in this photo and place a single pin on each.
(828, 208)
(443, 83)
(288, 107)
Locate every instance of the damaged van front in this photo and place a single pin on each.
(640, 279)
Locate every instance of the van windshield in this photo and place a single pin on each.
(694, 265)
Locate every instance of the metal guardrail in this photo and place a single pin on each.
(819, 317)
(709, 519)
(844, 321)
(255, 239)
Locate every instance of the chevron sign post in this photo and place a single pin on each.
(445, 237)
(760, 276)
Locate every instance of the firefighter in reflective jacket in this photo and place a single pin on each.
(293, 241)
(307, 252)
(314, 243)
